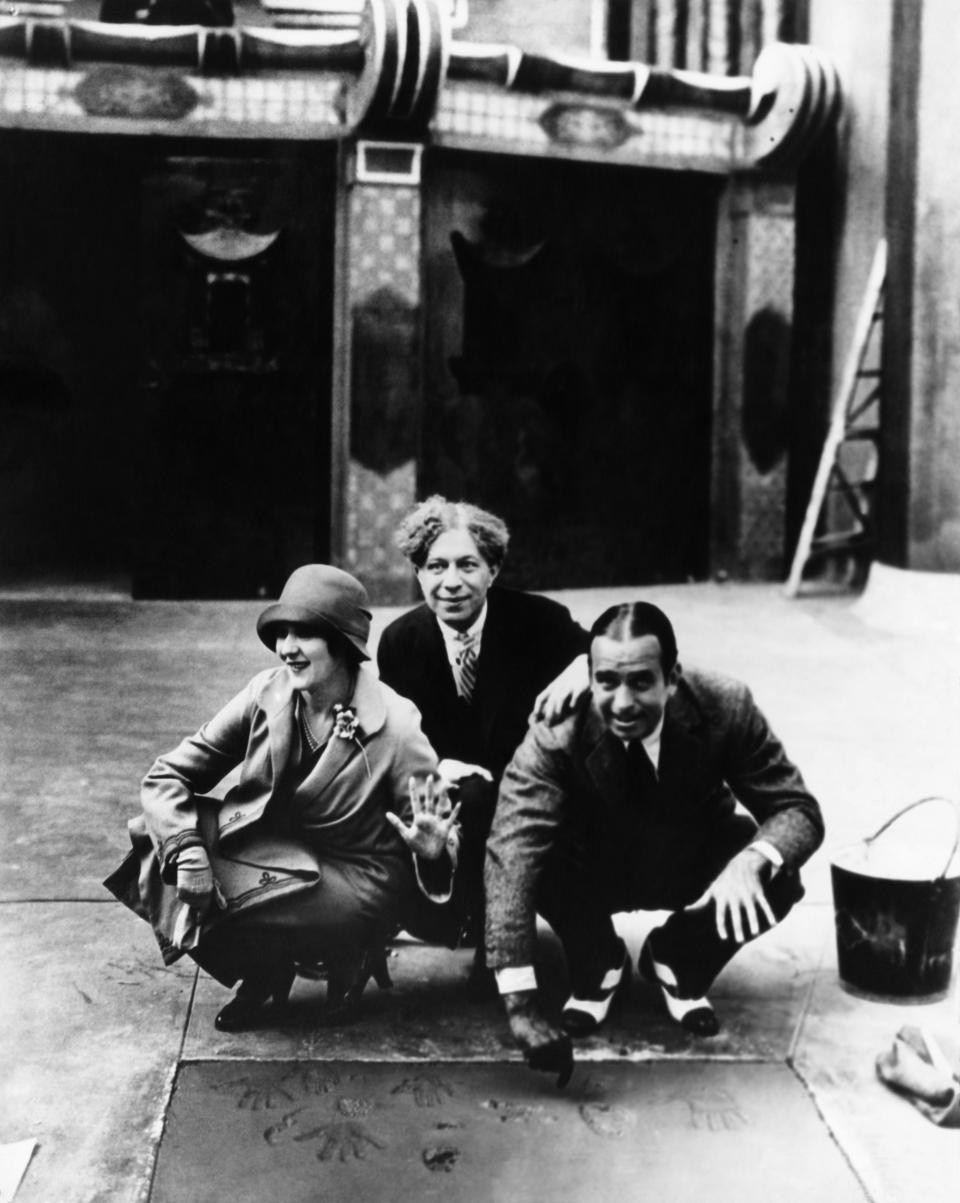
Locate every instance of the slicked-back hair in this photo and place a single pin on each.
(631, 620)
(427, 521)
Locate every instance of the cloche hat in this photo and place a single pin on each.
(317, 595)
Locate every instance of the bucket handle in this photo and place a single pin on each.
(920, 802)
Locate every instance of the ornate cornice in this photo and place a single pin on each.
(324, 70)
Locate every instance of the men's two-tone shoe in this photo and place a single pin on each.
(695, 1015)
(584, 1012)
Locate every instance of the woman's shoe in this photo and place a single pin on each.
(347, 977)
(248, 1006)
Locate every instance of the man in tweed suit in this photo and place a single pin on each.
(628, 804)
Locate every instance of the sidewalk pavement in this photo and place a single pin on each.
(103, 1050)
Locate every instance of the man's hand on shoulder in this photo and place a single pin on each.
(452, 772)
(560, 697)
(544, 1046)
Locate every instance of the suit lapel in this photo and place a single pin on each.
(369, 707)
(278, 704)
(434, 665)
(493, 665)
(681, 745)
(606, 762)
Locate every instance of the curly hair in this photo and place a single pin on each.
(427, 521)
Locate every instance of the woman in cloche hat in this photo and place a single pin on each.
(319, 849)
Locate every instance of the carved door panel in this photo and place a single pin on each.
(569, 356)
(236, 279)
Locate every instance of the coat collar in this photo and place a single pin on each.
(277, 700)
(277, 697)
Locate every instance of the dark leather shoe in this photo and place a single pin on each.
(584, 1012)
(248, 1007)
(694, 1015)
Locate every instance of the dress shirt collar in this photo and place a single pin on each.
(651, 744)
(453, 640)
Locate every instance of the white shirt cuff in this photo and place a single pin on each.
(516, 978)
(765, 848)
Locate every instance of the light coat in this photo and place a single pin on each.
(255, 855)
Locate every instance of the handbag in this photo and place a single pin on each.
(256, 867)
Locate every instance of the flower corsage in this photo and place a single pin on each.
(345, 726)
(345, 721)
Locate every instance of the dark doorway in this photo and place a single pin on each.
(569, 362)
(68, 356)
(165, 350)
(237, 297)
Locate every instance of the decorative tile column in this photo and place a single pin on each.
(380, 361)
(754, 317)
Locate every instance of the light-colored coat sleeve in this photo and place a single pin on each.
(194, 767)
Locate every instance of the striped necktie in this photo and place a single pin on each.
(465, 665)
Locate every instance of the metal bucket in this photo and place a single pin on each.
(895, 935)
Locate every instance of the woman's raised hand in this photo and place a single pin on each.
(432, 818)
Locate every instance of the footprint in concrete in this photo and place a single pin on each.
(440, 1158)
(606, 1120)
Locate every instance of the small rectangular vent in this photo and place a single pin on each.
(388, 162)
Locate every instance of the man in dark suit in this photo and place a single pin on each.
(629, 804)
(474, 660)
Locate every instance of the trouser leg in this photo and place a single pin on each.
(478, 801)
(689, 941)
(573, 905)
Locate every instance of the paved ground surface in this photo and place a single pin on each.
(112, 1064)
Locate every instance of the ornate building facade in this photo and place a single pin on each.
(271, 271)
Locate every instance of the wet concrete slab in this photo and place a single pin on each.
(90, 1031)
(483, 1133)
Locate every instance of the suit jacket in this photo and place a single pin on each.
(570, 789)
(254, 847)
(527, 641)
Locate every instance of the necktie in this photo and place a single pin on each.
(641, 766)
(465, 665)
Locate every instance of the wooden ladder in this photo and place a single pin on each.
(840, 519)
